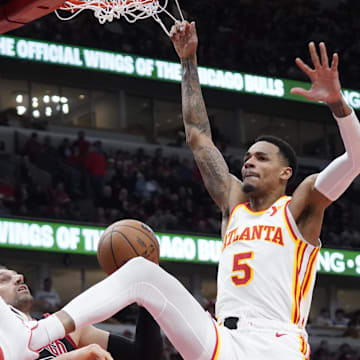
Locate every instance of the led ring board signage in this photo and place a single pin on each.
(80, 239)
(155, 69)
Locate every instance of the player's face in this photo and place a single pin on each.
(263, 168)
(13, 289)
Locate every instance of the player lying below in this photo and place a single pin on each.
(16, 327)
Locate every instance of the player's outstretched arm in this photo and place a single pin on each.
(210, 161)
(336, 178)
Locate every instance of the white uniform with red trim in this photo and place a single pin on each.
(15, 334)
(266, 277)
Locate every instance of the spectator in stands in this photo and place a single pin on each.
(75, 159)
(322, 352)
(352, 330)
(32, 148)
(83, 145)
(4, 211)
(106, 199)
(21, 194)
(323, 319)
(340, 318)
(64, 149)
(47, 300)
(7, 191)
(96, 166)
(59, 196)
(99, 217)
(345, 352)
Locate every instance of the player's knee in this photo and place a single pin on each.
(141, 269)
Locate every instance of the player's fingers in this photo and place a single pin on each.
(301, 92)
(304, 67)
(335, 62)
(185, 27)
(101, 354)
(172, 31)
(314, 56)
(323, 53)
(108, 356)
(175, 29)
(193, 27)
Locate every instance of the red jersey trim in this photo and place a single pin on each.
(217, 344)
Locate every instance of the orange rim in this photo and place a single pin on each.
(80, 3)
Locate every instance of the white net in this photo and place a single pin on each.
(107, 11)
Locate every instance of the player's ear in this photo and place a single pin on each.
(286, 173)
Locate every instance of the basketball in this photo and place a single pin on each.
(124, 240)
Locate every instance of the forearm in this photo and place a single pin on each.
(194, 111)
(211, 163)
(337, 177)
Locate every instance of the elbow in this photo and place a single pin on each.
(192, 139)
(355, 162)
(196, 139)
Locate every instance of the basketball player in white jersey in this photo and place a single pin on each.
(270, 241)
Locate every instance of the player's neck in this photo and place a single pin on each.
(262, 202)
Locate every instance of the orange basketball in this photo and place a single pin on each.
(124, 240)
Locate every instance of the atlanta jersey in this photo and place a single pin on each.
(266, 269)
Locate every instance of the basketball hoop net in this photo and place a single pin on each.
(131, 10)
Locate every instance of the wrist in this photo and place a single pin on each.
(191, 58)
(339, 107)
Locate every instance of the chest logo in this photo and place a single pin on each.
(272, 234)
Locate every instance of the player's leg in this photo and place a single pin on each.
(184, 321)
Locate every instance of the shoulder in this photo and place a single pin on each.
(307, 200)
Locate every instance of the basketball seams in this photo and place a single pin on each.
(127, 240)
(152, 238)
(124, 240)
(112, 249)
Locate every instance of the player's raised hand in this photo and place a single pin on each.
(184, 38)
(324, 78)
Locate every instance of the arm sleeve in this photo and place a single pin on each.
(147, 345)
(339, 174)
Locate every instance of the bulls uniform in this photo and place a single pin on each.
(266, 277)
(57, 348)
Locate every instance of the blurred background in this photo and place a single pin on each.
(91, 132)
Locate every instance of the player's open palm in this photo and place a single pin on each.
(324, 78)
(184, 38)
(90, 352)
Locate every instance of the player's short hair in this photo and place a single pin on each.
(285, 149)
